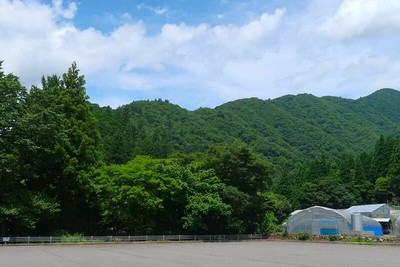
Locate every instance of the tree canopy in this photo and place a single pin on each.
(151, 167)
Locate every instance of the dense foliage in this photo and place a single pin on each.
(49, 151)
(286, 130)
(151, 167)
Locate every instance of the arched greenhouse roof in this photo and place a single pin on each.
(322, 212)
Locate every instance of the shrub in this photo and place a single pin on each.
(332, 237)
(303, 236)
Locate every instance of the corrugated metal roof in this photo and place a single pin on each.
(364, 208)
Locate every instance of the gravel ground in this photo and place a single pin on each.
(254, 253)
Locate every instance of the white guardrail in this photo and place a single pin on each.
(143, 238)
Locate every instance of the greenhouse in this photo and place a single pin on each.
(380, 213)
(319, 220)
(395, 219)
(372, 210)
(397, 227)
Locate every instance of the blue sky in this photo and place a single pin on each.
(205, 53)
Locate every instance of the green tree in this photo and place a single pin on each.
(22, 206)
(329, 191)
(383, 190)
(277, 204)
(136, 197)
(12, 94)
(381, 156)
(205, 211)
(237, 165)
(245, 175)
(68, 140)
(362, 187)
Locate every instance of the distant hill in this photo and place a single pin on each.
(288, 129)
(386, 102)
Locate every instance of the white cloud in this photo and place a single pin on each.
(19, 18)
(362, 17)
(115, 19)
(156, 10)
(314, 73)
(67, 13)
(160, 11)
(275, 53)
(250, 32)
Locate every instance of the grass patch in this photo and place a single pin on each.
(359, 240)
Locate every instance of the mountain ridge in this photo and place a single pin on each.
(290, 128)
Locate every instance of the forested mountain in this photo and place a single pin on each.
(288, 129)
(155, 128)
(386, 102)
(151, 167)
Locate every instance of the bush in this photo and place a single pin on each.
(332, 237)
(303, 236)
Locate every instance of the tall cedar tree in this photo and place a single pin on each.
(74, 152)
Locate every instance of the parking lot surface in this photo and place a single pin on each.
(246, 253)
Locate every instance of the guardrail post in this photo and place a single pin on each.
(179, 238)
(29, 239)
(129, 238)
(51, 239)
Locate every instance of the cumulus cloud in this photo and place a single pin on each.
(272, 54)
(30, 35)
(67, 13)
(362, 17)
(42, 43)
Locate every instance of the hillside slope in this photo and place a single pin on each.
(288, 129)
(386, 102)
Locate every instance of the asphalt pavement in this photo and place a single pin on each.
(245, 253)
